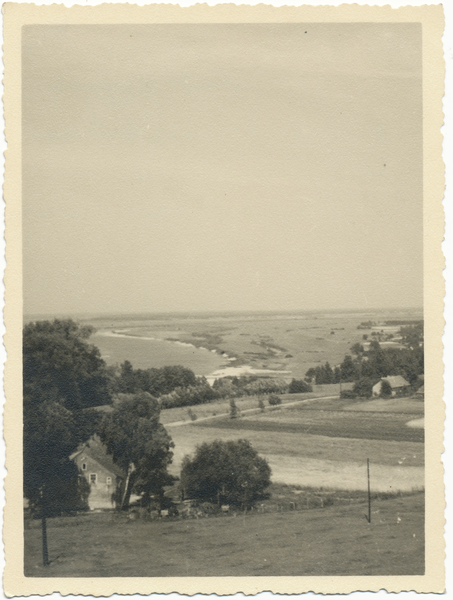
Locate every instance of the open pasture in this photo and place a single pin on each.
(218, 408)
(314, 446)
(336, 424)
(336, 540)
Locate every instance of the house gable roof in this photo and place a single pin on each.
(96, 450)
(396, 381)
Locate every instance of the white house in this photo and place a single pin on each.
(105, 478)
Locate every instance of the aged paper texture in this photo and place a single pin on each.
(256, 194)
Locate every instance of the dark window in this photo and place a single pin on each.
(93, 477)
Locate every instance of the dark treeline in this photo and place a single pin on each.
(154, 381)
(178, 386)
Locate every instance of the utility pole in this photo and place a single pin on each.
(45, 554)
(369, 489)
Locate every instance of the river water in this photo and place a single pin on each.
(146, 352)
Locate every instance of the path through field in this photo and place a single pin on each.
(334, 455)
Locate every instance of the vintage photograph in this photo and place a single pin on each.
(223, 299)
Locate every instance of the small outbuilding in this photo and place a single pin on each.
(397, 383)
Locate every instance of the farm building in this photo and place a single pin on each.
(420, 393)
(397, 383)
(102, 474)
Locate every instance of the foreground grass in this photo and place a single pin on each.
(336, 540)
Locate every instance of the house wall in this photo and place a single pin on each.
(104, 486)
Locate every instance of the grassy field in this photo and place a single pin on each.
(325, 443)
(336, 424)
(329, 541)
(222, 407)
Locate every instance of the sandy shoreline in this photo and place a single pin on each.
(223, 371)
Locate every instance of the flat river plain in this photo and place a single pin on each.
(216, 345)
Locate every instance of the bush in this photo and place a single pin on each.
(348, 394)
(233, 409)
(386, 389)
(364, 387)
(225, 472)
(274, 400)
(299, 386)
(261, 404)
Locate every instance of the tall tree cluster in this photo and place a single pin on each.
(377, 362)
(154, 381)
(140, 445)
(63, 377)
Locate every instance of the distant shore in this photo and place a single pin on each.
(226, 370)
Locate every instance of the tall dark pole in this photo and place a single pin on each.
(45, 554)
(369, 490)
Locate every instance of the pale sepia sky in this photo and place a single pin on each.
(221, 167)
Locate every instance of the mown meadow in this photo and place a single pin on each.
(335, 540)
(325, 442)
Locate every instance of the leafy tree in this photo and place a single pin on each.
(299, 386)
(386, 389)
(261, 404)
(412, 335)
(328, 373)
(337, 374)
(322, 374)
(192, 415)
(140, 445)
(274, 400)
(63, 376)
(233, 409)
(310, 375)
(58, 362)
(348, 369)
(357, 349)
(156, 382)
(231, 471)
(51, 434)
(364, 387)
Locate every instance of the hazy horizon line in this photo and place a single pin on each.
(100, 315)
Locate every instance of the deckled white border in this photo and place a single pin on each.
(448, 151)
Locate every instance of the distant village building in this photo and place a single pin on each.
(420, 393)
(104, 477)
(397, 383)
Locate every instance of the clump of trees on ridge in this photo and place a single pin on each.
(366, 368)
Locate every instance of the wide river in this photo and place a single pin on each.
(145, 352)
